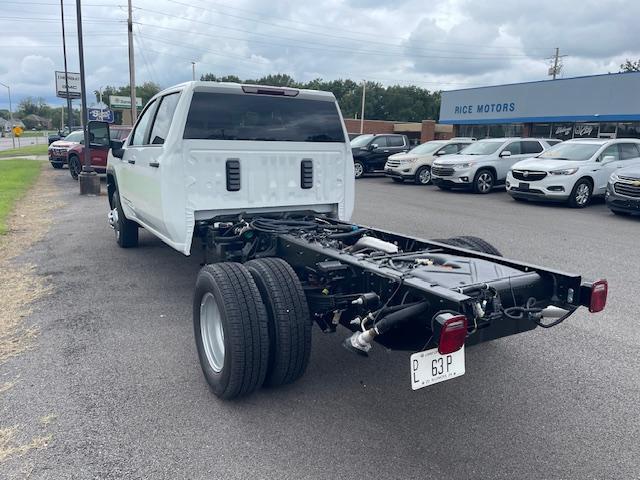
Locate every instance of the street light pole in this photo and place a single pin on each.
(88, 178)
(13, 137)
(193, 71)
(66, 73)
(132, 66)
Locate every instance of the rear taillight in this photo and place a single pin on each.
(452, 335)
(599, 291)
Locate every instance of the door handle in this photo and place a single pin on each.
(132, 162)
(154, 164)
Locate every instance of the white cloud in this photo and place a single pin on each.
(446, 44)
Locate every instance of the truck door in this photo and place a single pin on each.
(378, 155)
(146, 173)
(129, 174)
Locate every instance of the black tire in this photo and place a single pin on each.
(576, 199)
(484, 181)
(472, 243)
(57, 165)
(75, 167)
(358, 169)
(289, 319)
(421, 173)
(126, 230)
(397, 180)
(243, 320)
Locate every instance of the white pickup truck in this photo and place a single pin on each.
(263, 178)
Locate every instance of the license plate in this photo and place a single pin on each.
(429, 367)
(523, 186)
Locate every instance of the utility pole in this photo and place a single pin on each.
(364, 89)
(13, 137)
(557, 64)
(193, 71)
(88, 178)
(66, 74)
(132, 68)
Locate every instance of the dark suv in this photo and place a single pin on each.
(370, 152)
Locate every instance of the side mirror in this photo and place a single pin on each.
(505, 153)
(99, 133)
(608, 159)
(373, 146)
(116, 148)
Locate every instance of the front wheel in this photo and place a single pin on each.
(423, 175)
(581, 194)
(231, 331)
(126, 230)
(358, 169)
(75, 167)
(484, 181)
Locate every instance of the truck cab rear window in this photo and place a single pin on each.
(215, 116)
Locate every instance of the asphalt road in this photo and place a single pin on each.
(116, 364)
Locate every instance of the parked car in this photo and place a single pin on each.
(415, 165)
(573, 171)
(370, 152)
(62, 133)
(623, 191)
(98, 152)
(484, 164)
(59, 149)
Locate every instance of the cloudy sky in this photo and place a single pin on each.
(442, 44)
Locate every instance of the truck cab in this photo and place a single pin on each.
(201, 150)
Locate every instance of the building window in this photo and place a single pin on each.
(585, 130)
(629, 130)
(607, 129)
(563, 131)
(541, 130)
(496, 131)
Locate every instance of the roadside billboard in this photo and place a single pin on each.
(102, 115)
(72, 81)
(119, 102)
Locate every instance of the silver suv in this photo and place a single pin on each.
(485, 164)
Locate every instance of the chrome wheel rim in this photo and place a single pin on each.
(358, 169)
(212, 332)
(425, 176)
(485, 182)
(582, 194)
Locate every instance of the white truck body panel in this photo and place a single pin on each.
(189, 183)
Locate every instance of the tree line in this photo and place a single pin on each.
(401, 103)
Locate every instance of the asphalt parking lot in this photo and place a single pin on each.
(116, 364)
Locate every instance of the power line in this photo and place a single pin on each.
(335, 47)
(324, 48)
(332, 27)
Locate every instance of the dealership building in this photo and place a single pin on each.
(598, 106)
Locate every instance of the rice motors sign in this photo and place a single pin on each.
(599, 98)
(70, 83)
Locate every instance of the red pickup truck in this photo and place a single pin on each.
(97, 152)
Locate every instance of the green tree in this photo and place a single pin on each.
(144, 91)
(400, 103)
(630, 66)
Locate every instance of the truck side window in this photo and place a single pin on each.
(164, 115)
(381, 142)
(140, 133)
(395, 141)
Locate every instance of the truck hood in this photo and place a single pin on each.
(455, 159)
(546, 165)
(63, 144)
(633, 171)
(405, 155)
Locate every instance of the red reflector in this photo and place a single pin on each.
(452, 335)
(599, 291)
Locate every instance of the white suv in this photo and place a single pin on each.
(573, 171)
(415, 165)
(485, 163)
